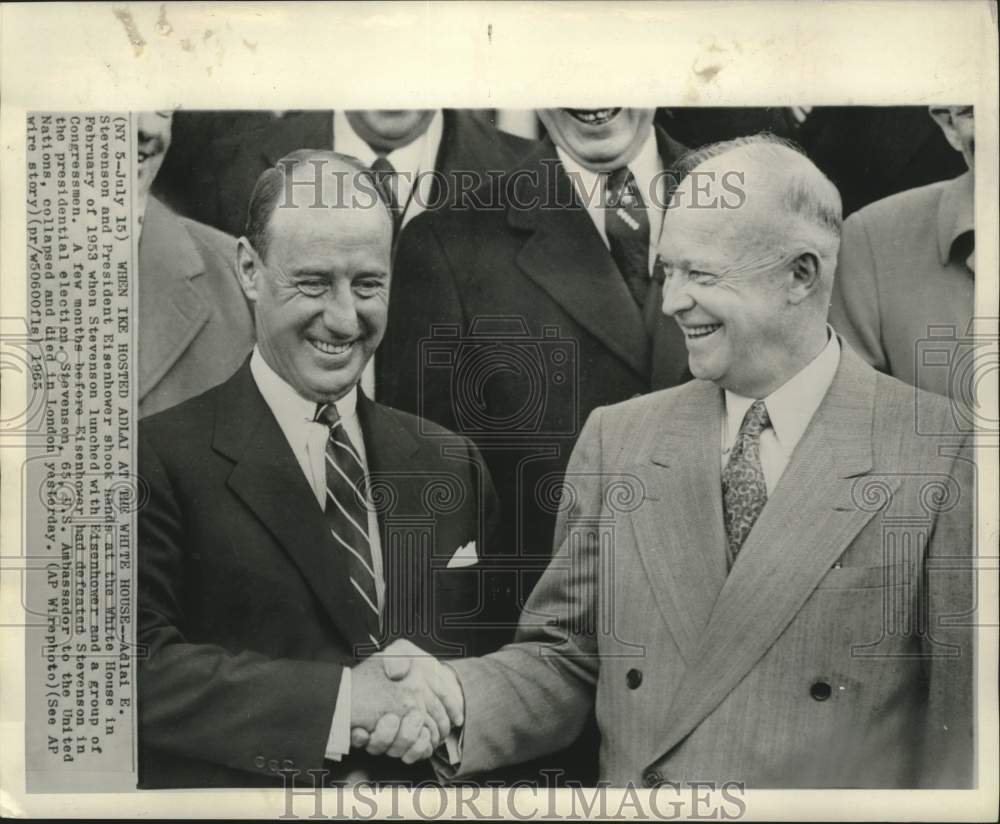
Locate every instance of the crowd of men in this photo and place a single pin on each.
(471, 455)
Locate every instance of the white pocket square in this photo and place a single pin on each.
(464, 556)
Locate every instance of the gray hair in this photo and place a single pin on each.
(809, 198)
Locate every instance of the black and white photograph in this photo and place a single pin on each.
(373, 448)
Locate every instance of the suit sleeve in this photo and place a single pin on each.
(239, 709)
(949, 641)
(413, 361)
(533, 696)
(854, 308)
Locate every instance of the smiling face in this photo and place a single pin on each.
(599, 139)
(387, 129)
(321, 295)
(731, 285)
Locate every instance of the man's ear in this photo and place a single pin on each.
(805, 271)
(248, 268)
(945, 119)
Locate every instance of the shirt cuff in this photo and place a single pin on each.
(453, 746)
(339, 742)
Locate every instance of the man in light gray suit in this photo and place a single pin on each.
(763, 575)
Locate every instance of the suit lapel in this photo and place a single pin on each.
(807, 524)
(389, 449)
(566, 257)
(680, 537)
(171, 311)
(269, 480)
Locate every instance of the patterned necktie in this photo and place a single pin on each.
(744, 491)
(627, 227)
(347, 514)
(385, 176)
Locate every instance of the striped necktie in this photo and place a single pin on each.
(626, 225)
(347, 515)
(744, 490)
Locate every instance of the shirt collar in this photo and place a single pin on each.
(792, 405)
(956, 213)
(645, 167)
(409, 160)
(290, 409)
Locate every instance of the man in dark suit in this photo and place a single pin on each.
(194, 324)
(294, 527)
(517, 312)
(219, 155)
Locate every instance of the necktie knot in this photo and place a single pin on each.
(621, 190)
(755, 421)
(326, 413)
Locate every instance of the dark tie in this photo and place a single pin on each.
(385, 177)
(347, 515)
(744, 491)
(627, 227)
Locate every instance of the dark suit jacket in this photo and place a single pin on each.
(195, 326)
(555, 331)
(216, 157)
(246, 616)
(837, 651)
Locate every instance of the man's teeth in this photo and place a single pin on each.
(700, 331)
(330, 348)
(594, 116)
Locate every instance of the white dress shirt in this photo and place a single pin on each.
(791, 407)
(308, 439)
(647, 170)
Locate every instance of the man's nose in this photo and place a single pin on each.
(340, 315)
(675, 296)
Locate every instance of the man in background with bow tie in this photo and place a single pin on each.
(763, 576)
(907, 265)
(294, 527)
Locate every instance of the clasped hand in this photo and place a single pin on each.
(403, 703)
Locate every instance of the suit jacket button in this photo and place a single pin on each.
(820, 691)
(288, 764)
(633, 678)
(652, 778)
(259, 762)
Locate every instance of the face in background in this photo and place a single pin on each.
(388, 129)
(959, 126)
(599, 139)
(320, 343)
(733, 285)
(153, 141)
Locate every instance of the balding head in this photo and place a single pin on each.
(750, 245)
(786, 201)
(312, 179)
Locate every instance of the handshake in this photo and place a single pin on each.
(404, 703)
